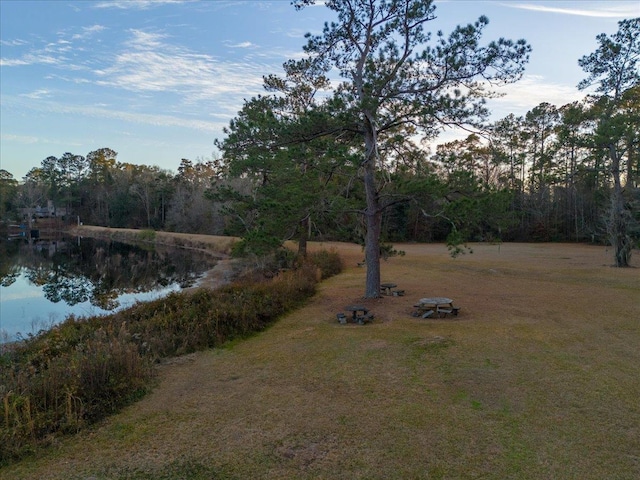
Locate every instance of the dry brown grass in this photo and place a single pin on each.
(537, 378)
(210, 243)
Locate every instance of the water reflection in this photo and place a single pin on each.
(42, 283)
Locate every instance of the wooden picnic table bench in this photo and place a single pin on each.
(430, 305)
(387, 289)
(359, 314)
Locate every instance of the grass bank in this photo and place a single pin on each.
(216, 245)
(536, 378)
(85, 369)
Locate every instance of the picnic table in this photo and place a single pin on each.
(430, 305)
(359, 314)
(386, 288)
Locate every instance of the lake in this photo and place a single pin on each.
(44, 282)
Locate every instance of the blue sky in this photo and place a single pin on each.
(157, 80)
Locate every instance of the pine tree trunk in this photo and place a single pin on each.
(373, 214)
(373, 219)
(618, 220)
(304, 237)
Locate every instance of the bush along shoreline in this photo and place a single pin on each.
(85, 369)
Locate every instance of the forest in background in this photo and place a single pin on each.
(291, 167)
(541, 177)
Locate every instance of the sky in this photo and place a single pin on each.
(158, 80)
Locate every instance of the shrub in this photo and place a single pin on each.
(84, 369)
(53, 384)
(147, 236)
(329, 263)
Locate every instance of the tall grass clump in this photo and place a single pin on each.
(84, 369)
(61, 380)
(182, 323)
(329, 262)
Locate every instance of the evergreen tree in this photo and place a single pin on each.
(614, 69)
(395, 75)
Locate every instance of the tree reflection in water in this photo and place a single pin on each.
(79, 270)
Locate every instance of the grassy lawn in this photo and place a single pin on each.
(537, 378)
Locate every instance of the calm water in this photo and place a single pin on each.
(43, 283)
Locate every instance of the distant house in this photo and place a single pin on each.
(50, 211)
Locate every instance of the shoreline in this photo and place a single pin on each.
(223, 272)
(218, 247)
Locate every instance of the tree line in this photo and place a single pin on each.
(309, 160)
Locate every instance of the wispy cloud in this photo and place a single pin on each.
(12, 62)
(13, 43)
(531, 91)
(53, 52)
(587, 9)
(42, 93)
(518, 99)
(138, 4)
(100, 112)
(8, 138)
(149, 64)
(240, 45)
(88, 32)
(24, 139)
(158, 120)
(297, 33)
(30, 59)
